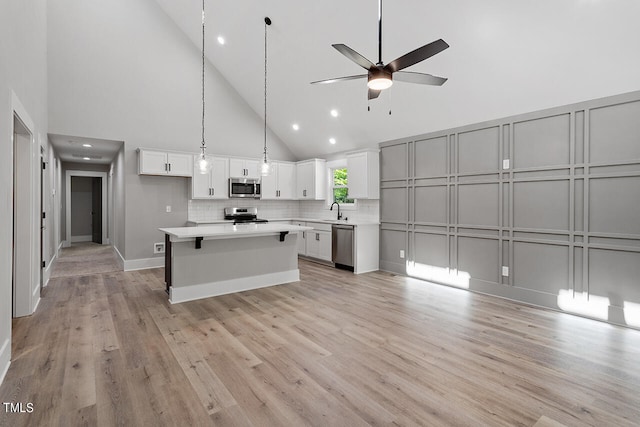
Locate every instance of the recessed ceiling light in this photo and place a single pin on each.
(334, 113)
(86, 158)
(295, 126)
(221, 40)
(332, 140)
(87, 145)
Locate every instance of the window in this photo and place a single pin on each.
(339, 186)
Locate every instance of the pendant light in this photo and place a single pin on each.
(265, 164)
(204, 164)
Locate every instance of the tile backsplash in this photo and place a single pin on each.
(211, 210)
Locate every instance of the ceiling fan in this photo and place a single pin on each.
(380, 76)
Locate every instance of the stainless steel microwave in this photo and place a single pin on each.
(244, 187)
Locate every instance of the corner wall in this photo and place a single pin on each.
(557, 226)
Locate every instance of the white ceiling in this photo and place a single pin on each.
(70, 149)
(506, 57)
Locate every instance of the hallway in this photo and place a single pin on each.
(84, 258)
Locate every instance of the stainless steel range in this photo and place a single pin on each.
(243, 215)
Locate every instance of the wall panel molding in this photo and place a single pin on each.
(550, 198)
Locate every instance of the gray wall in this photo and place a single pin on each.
(81, 205)
(565, 218)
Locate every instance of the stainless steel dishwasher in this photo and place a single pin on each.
(342, 246)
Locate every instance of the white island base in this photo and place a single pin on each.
(230, 259)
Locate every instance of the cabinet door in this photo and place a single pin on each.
(236, 168)
(201, 183)
(252, 168)
(302, 244)
(304, 180)
(269, 188)
(357, 175)
(220, 178)
(152, 162)
(313, 243)
(324, 245)
(287, 180)
(180, 164)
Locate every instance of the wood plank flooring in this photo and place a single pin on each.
(335, 349)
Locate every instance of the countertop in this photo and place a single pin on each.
(230, 231)
(276, 220)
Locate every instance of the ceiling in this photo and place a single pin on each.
(71, 149)
(506, 57)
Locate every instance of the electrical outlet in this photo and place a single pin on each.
(401, 253)
(158, 248)
(168, 208)
(505, 271)
(505, 164)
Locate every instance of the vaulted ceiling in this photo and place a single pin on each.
(506, 57)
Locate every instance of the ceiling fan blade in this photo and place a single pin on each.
(339, 79)
(373, 94)
(420, 54)
(354, 56)
(420, 78)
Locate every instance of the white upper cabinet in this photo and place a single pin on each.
(212, 185)
(311, 179)
(363, 174)
(243, 168)
(156, 162)
(280, 183)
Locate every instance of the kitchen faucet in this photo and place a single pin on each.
(339, 214)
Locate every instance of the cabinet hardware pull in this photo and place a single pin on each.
(304, 234)
(317, 236)
(169, 167)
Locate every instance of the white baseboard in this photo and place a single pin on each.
(47, 270)
(5, 359)
(143, 263)
(35, 296)
(206, 290)
(76, 239)
(119, 257)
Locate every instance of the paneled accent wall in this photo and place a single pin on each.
(542, 207)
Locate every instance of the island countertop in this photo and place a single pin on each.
(230, 231)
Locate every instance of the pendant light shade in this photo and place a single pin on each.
(204, 163)
(264, 168)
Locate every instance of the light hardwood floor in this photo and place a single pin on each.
(334, 349)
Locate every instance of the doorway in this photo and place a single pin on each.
(86, 207)
(22, 287)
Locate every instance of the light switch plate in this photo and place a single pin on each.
(401, 253)
(505, 271)
(505, 164)
(168, 208)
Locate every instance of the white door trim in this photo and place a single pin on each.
(68, 175)
(25, 297)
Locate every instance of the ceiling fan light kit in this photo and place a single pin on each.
(379, 79)
(380, 76)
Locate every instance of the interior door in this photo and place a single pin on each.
(96, 210)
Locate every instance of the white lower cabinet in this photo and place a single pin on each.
(315, 243)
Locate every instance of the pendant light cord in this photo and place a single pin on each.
(203, 144)
(267, 21)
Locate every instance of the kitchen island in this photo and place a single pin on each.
(202, 262)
